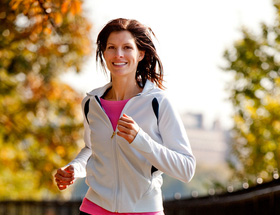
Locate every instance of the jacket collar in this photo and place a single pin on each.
(101, 90)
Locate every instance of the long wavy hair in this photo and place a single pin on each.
(150, 68)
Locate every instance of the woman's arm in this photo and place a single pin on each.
(66, 176)
(79, 163)
(174, 157)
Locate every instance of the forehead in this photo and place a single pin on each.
(117, 37)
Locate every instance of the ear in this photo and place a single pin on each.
(141, 55)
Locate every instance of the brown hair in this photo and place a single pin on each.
(147, 68)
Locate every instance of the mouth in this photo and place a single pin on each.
(119, 64)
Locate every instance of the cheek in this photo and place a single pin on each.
(109, 53)
(106, 55)
(135, 57)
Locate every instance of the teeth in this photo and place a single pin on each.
(119, 64)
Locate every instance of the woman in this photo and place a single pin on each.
(132, 133)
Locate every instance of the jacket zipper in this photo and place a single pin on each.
(114, 133)
(116, 156)
(115, 151)
(98, 101)
(117, 173)
(118, 190)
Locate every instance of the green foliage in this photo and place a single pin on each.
(40, 117)
(255, 94)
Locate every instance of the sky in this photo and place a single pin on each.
(191, 39)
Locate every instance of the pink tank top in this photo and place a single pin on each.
(113, 110)
(93, 209)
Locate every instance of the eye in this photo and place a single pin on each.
(110, 47)
(127, 47)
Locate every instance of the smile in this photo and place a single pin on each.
(119, 64)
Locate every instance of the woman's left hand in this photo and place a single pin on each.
(128, 128)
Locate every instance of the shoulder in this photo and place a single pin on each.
(161, 95)
(96, 92)
(162, 103)
(100, 90)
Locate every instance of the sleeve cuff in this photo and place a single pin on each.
(142, 142)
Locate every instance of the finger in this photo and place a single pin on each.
(126, 118)
(65, 173)
(125, 123)
(129, 138)
(62, 181)
(61, 187)
(127, 134)
(59, 182)
(64, 178)
(122, 127)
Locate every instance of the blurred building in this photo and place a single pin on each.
(209, 145)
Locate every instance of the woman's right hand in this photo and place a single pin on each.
(64, 177)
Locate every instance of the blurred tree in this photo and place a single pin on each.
(255, 94)
(40, 119)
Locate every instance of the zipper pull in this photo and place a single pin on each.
(113, 135)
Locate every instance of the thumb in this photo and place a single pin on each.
(126, 116)
(69, 169)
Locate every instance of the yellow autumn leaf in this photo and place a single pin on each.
(251, 110)
(15, 3)
(277, 81)
(60, 150)
(276, 125)
(47, 30)
(75, 7)
(251, 138)
(38, 29)
(58, 19)
(65, 6)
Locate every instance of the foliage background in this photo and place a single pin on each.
(40, 117)
(254, 60)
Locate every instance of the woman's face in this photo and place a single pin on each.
(122, 55)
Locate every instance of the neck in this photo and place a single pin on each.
(122, 90)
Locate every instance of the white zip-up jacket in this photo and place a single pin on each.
(125, 177)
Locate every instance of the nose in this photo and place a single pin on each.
(119, 52)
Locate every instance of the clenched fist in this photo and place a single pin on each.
(64, 177)
(128, 128)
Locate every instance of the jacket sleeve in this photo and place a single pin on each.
(79, 163)
(174, 157)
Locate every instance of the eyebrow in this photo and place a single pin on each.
(123, 44)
